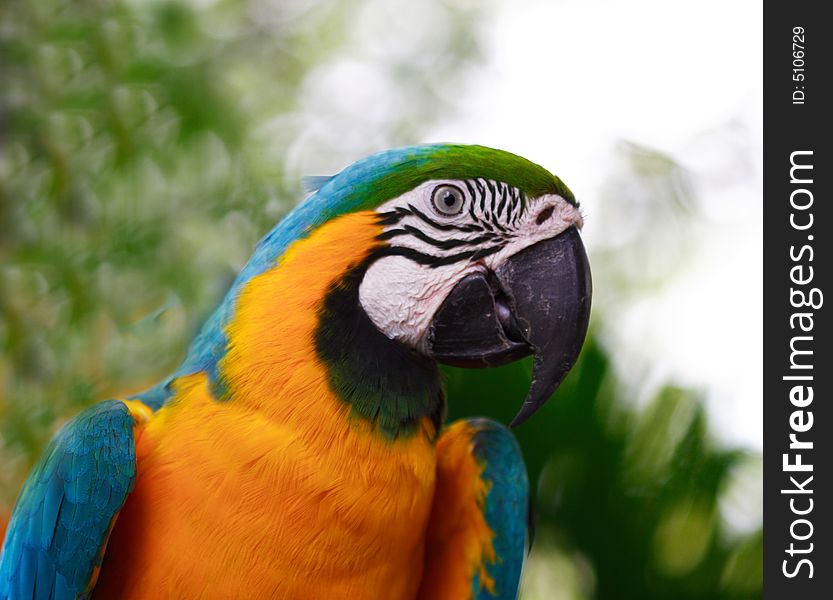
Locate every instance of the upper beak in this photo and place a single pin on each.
(537, 302)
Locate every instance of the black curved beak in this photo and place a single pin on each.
(537, 302)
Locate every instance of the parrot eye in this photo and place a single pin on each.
(448, 200)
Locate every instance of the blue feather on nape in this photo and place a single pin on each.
(313, 183)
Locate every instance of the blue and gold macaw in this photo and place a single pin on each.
(299, 451)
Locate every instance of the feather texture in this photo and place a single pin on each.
(277, 491)
(475, 540)
(363, 186)
(59, 527)
(288, 456)
(313, 183)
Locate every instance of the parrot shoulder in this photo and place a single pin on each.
(63, 517)
(476, 536)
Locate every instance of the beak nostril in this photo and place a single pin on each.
(544, 215)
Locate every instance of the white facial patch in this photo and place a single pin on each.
(401, 296)
(431, 251)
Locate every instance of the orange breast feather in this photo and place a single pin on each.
(459, 540)
(278, 492)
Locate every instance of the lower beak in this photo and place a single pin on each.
(537, 302)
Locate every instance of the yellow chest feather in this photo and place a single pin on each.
(277, 492)
(238, 503)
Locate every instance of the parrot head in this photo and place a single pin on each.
(474, 260)
(480, 261)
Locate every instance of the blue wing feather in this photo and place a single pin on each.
(63, 516)
(506, 508)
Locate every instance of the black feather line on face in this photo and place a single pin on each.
(472, 213)
(441, 244)
(440, 226)
(517, 206)
(523, 202)
(488, 225)
(484, 252)
(390, 234)
(436, 261)
(448, 244)
(504, 200)
(496, 223)
(391, 217)
(472, 193)
(492, 194)
(481, 193)
(497, 201)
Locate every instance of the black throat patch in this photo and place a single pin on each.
(382, 380)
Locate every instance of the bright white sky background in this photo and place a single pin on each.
(563, 82)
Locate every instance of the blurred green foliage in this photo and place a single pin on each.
(146, 146)
(633, 498)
